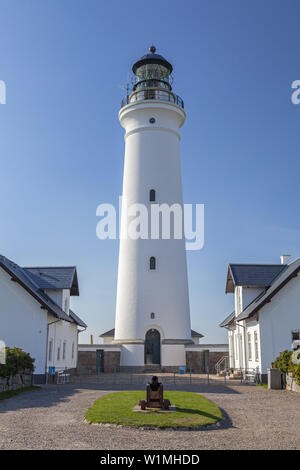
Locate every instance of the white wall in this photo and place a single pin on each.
(152, 161)
(252, 328)
(237, 337)
(59, 333)
(61, 297)
(132, 355)
(277, 319)
(107, 339)
(22, 321)
(173, 355)
(248, 294)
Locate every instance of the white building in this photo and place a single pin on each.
(152, 323)
(266, 317)
(35, 313)
(152, 309)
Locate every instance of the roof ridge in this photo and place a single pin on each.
(287, 275)
(49, 267)
(257, 264)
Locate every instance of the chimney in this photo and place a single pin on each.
(92, 339)
(285, 259)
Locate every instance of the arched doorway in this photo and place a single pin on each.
(152, 347)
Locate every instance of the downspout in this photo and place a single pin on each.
(47, 343)
(78, 331)
(245, 351)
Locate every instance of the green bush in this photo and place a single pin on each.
(296, 373)
(17, 362)
(283, 361)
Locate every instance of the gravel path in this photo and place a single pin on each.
(52, 418)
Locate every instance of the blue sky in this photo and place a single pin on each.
(61, 145)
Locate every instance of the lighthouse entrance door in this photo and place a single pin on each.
(152, 347)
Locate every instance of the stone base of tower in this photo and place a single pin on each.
(130, 358)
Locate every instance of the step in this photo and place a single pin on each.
(152, 368)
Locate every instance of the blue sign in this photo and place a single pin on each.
(51, 370)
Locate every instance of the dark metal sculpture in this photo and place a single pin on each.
(155, 398)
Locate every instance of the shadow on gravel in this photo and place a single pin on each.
(51, 395)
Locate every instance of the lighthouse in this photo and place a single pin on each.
(152, 323)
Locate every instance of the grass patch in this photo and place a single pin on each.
(12, 393)
(192, 410)
(262, 385)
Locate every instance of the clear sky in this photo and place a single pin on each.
(61, 145)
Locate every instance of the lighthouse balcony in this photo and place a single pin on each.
(159, 94)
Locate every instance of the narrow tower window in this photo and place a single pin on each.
(152, 195)
(152, 316)
(152, 263)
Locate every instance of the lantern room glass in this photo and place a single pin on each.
(152, 76)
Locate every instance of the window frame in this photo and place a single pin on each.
(256, 351)
(150, 193)
(152, 262)
(249, 342)
(58, 351)
(64, 351)
(50, 349)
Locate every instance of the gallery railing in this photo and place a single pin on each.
(159, 94)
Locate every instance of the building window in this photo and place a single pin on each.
(73, 350)
(249, 347)
(152, 316)
(152, 195)
(50, 351)
(64, 350)
(152, 263)
(256, 346)
(236, 347)
(58, 350)
(295, 335)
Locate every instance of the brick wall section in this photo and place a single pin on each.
(195, 362)
(86, 363)
(214, 357)
(112, 361)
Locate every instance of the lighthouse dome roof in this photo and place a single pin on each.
(152, 58)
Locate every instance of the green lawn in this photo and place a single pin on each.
(262, 385)
(11, 393)
(192, 410)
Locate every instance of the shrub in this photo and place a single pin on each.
(17, 362)
(297, 373)
(283, 361)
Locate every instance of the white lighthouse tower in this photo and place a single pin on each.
(152, 323)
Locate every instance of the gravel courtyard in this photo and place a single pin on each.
(53, 418)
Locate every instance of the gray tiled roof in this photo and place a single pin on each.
(195, 334)
(255, 275)
(278, 283)
(30, 284)
(77, 319)
(55, 278)
(228, 319)
(108, 333)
